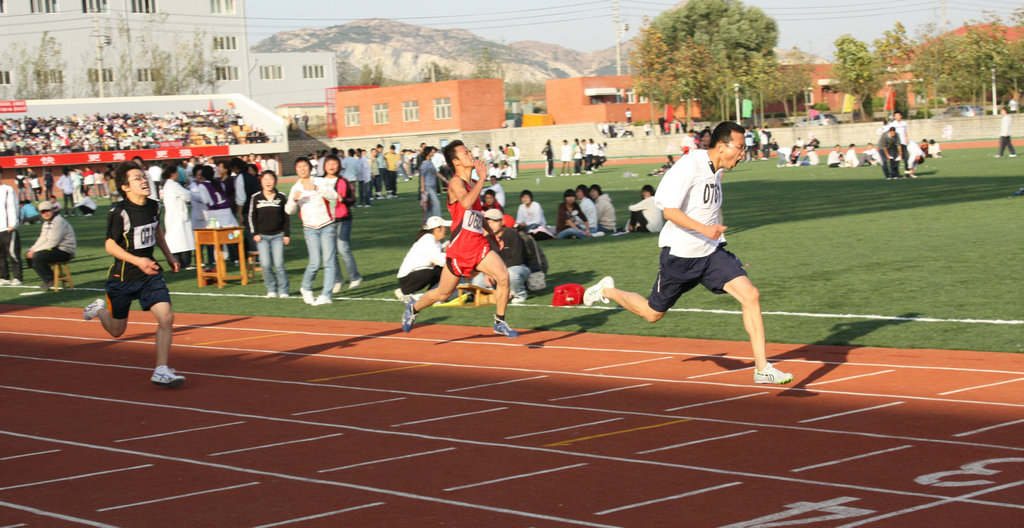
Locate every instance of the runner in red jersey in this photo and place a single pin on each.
(470, 248)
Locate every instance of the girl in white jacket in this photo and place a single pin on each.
(309, 197)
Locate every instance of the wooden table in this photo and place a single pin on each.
(218, 237)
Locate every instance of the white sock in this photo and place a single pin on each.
(162, 369)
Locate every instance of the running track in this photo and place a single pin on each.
(288, 422)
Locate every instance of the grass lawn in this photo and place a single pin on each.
(818, 242)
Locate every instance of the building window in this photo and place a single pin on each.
(443, 108)
(630, 96)
(313, 71)
(351, 116)
(222, 7)
(5, 77)
(147, 75)
(108, 75)
(50, 76)
(227, 73)
(271, 73)
(410, 111)
(380, 114)
(43, 6)
(643, 98)
(94, 6)
(143, 6)
(225, 43)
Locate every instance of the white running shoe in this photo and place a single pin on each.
(93, 310)
(272, 295)
(772, 375)
(167, 378)
(15, 282)
(307, 295)
(596, 292)
(336, 288)
(355, 284)
(321, 300)
(5, 282)
(283, 296)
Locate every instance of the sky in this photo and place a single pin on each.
(587, 25)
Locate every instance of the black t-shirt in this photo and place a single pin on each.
(133, 227)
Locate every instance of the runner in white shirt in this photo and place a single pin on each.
(690, 195)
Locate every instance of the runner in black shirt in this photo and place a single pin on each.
(133, 229)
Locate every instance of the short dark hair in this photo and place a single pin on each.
(723, 132)
(569, 192)
(526, 192)
(121, 173)
(271, 174)
(303, 159)
(596, 187)
(238, 165)
(583, 188)
(449, 151)
(647, 188)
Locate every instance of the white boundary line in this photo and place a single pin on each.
(815, 384)
(74, 477)
(460, 415)
(53, 515)
(299, 441)
(389, 459)
(173, 497)
(663, 499)
(932, 505)
(347, 406)
(847, 459)
(701, 404)
(19, 525)
(563, 428)
(701, 441)
(599, 392)
(31, 454)
(321, 515)
(513, 477)
(630, 363)
(983, 429)
(178, 432)
(618, 308)
(496, 383)
(947, 393)
(826, 417)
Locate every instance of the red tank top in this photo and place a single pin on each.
(467, 229)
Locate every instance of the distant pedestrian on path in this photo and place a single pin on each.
(1004, 135)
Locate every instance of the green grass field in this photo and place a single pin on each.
(818, 242)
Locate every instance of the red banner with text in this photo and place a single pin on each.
(114, 156)
(10, 107)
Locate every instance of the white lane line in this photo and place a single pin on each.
(497, 383)
(450, 416)
(75, 477)
(815, 384)
(717, 401)
(701, 441)
(320, 515)
(599, 392)
(513, 477)
(980, 386)
(630, 363)
(275, 445)
(45, 513)
(19, 525)
(850, 412)
(663, 499)
(178, 432)
(564, 428)
(847, 459)
(31, 454)
(989, 428)
(389, 459)
(723, 372)
(962, 498)
(173, 497)
(347, 406)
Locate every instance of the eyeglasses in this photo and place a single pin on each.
(742, 148)
(142, 179)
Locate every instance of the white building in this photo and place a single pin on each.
(62, 48)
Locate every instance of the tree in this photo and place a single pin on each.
(40, 69)
(857, 69)
(667, 74)
(371, 75)
(435, 72)
(790, 84)
(488, 66)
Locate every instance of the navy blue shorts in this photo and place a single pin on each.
(677, 275)
(148, 291)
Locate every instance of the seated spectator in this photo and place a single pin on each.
(513, 253)
(812, 142)
(86, 206)
(835, 157)
(811, 158)
(421, 268)
(56, 243)
(871, 156)
(499, 192)
(850, 159)
(531, 216)
(29, 214)
(644, 216)
(572, 223)
(605, 210)
(934, 149)
(587, 208)
(491, 202)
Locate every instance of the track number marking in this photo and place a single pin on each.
(831, 508)
(974, 468)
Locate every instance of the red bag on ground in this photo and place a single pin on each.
(567, 295)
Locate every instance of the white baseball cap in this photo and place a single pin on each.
(436, 221)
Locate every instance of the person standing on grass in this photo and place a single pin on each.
(470, 248)
(133, 229)
(343, 223)
(309, 197)
(692, 253)
(889, 147)
(10, 239)
(271, 230)
(1004, 135)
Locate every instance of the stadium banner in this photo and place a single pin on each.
(10, 107)
(113, 156)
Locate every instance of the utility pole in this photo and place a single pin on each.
(736, 87)
(995, 111)
(100, 42)
(618, 38)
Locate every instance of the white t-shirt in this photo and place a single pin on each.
(530, 215)
(426, 253)
(589, 211)
(692, 187)
(566, 153)
(833, 157)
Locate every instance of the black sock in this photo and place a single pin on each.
(499, 318)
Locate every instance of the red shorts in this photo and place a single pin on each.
(465, 264)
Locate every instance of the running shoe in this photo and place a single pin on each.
(1020, 192)
(15, 282)
(772, 375)
(283, 295)
(167, 378)
(272, 295)
(93, 310)
(336, 288)
(354, 284)
(5, 282)
(501, 327)
(307, 295)
(408, 317)
(321, 300)
(596, 292)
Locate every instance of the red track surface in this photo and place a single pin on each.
(287, 422)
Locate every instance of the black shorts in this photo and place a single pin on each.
(149, 291)
(677, 275)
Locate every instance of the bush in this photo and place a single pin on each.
(821, 107)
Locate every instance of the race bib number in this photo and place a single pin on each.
(473, 221)
(145, 236)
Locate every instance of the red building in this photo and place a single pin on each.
(601, 100)
(459, 105)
